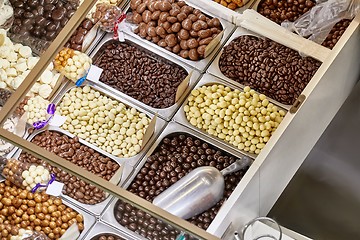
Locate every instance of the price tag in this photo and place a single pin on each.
(120, 30)
(57, 120)
(94, 73)
(55, 188)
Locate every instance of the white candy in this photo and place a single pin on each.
(97, 124)
(32, 168)
(37, 179)
(33, 174)
(21, 67)
(29, 180)
(3, 84)
(17, 46)
(12, 57)
(45, 177)
(35, 87)
(25, 51)
(31, 62)
(16, 82)
(11, 72)
(33, 109)
(45, 90)
(4, 64)
(3, 75)
(46, 77)
(25, 174)
(39, 170)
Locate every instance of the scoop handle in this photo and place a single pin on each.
(237, 165)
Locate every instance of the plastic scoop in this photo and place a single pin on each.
(198, 191)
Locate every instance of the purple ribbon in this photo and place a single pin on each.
(39, 185)
(50, 110)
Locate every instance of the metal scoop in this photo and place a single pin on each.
(198, 191)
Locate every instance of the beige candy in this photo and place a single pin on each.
(21, 67)
(244, 119)
(31, 62)
(11, 72)
(45, 90)
(16, 82)
(25, 51)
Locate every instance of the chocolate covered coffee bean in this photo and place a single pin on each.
(72, 150)
(268, 67)
(140, 75)
(175, 156)
(174, 21)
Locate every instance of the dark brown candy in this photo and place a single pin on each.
(336, 32)
(174, 157)
(268, 67)
(77, 39)
(37, 22)
(140, 75)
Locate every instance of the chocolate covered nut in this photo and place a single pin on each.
(187, 24)
(181, 16)
(197, 26)
(184, 45)
(205, 41)
(163, 16)
(201, 50)
(193, 54)
(155, 15)
(176, 27)
(205, 33)
(184, 53)
(160, 30)
(151, 31)
(192, 43)
(146, 16)
(141, 8)
(165, 6)
(173, 17)
(184, 34)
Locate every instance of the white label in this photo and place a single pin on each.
(55, 188)
(121, 29)
(94, 73)
(57, 120)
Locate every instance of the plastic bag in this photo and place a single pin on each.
(72, 64)
(317, 23)
(6, 14)
(107, 16)
(25, 175)
(29, 235)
